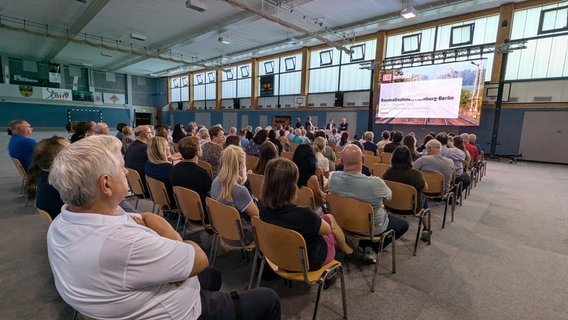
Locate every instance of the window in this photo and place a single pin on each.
(228, 74)
(553, 20)
(358, 52)
(290, 63)
(326, 58)
(269, 67)
(179, 88)
(211, 76)
(411, 43)
(236, 82)
(199, 78)
(462, 35)
(245, 72)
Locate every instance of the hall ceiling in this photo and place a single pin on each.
(97, 33)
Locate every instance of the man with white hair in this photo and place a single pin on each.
(473, 152)
(111, 264)
(21, 146)
(101, 128)
(136, 155)
(203, 136)
(435, 162)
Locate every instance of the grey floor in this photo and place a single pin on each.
(504, 257)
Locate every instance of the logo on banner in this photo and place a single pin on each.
(114, 98)
(55, 95)
(26, 91)
(386, 77)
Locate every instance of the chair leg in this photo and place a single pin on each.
(136, 205)
(393, 244)
(343, 295)
(417, 235)
(453, 205)
(254, 260)
(320, 287)
(260, 270)
(214, 248)
(445, 212)
(429, 227)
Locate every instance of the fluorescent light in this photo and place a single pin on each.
(223, 40)
(104, 54)
(138, 37)
(408, 13)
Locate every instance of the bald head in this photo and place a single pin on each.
(352, 158)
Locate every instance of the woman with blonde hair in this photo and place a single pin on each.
(321, 161)
(126, 137)
(228, 187)
(158, 166)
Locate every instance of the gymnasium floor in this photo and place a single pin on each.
(504, 257)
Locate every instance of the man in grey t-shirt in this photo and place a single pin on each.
(435, 162)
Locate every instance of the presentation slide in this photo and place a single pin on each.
(442, 94)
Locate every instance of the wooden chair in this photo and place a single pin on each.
(226, 222)
(293, 146)
(251, 161)
(159, 195)
(320, 174)
(379, 169)
(386, 157)
(368, 153)
(288, 155)
(357, 220)
(45, 216)
(22, 172)
(136, 185)
(286, 253)
(256, 181)
(207, 166)
(435, 190)
(189, 204)
(370, 160)
(404, 201)
(380, 151)
(305, 197)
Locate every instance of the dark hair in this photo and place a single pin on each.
(443, 138)
(178, 134)
(344, 138)
(272, 134)
(266, 153)
(410, 142)
(305, 159)
(282, 132)
(397, 137)
(260, 137)
(233, 140)
(319, 133)
(162, 132)
(458, 143)
(42, 159)
(386, 134)
(188, 147)
(401, 158)
(279, 187)
(214, 131)
(357, 143)
(120, 125)
(81, 129)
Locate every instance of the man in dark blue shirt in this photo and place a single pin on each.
(21, 146)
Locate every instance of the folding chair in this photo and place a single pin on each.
(136, 185)
(435, 190)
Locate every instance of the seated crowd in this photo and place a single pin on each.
(158, 274)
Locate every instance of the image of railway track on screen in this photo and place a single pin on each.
(448, 94)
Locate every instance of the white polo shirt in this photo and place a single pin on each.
(111, 267)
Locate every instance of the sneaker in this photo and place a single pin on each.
(370, 256)
(425, 235)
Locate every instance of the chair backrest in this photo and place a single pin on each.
(189, 203)
(45, 216)
(386, 157)
(207, 166)
(368, 153)
(404, 198)
(225, 219)
(135, 182)
(319, 175)
(380, 151)
(351, 214)
(288, 155)
(158, 192)
(369, 160)
(379, 169)
(283, 247)
(251, 161)
(305, 197)
(332, 144)
(256, 181)
(435, 184)
(293, 146)
(20, 168)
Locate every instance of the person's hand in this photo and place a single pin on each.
(177, 283)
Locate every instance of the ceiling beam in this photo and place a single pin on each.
(95, 6)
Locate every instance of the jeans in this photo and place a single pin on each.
(400, 227)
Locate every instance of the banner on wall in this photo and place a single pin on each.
(26, 91)
(57, 94)
(54, 73)
(114, 98)
(82, 95)
(98, 97)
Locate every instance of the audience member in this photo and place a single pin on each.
(284, 140)
(328, 151)
(158, 166)
(178, 133)
(298, 123)
(21, 146)
(368, 144)
(335, 136)
(470, 148)
(102, 128)
(396, 141)
(321, 161)
(343, 141)
(136, 156)
(243, 136)
(187, 173)
(435, 162)
(70, 130)
(272, 138)
(212, 150)
(457, 156)
(353, 184)
(321, 233)
(267, 152)
(37, 187)
(126, 138)
(204, 138)
(228, 188)
(81, 131)
(422, 148)
(297, 137)
(100, 253)
(305, 160)
(232, 140)
(254, 146)
(119, 127)
(410, 142)
(386, 140)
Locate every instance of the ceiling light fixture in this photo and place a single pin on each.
(196, 5)
(104, 54)
(139, 37)
(408, 11)
(223, 40)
